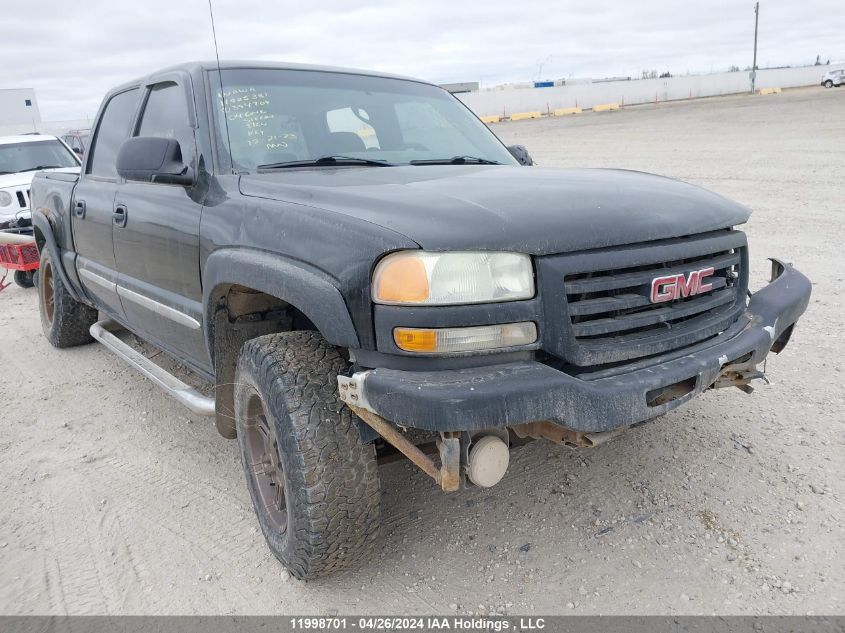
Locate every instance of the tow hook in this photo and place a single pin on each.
(447, 474)
(485, 454)
(739, 376)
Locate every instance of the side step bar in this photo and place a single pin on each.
(187, 395)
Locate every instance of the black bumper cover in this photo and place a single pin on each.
(528, 391)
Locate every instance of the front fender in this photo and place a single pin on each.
(308, 289)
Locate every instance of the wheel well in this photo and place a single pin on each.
(241, 301)
(40, 240)
(237, 314)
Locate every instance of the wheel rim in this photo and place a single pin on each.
(263, 464)
(46, 287)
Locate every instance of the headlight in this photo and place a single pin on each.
(5, 198)
(423, 278)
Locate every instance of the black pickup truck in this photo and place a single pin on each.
(360, 268)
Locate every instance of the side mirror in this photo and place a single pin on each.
(153, 159)
(521, 155)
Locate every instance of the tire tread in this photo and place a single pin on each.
(71, 319)
(334, 513)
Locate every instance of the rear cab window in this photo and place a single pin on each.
(347, 123)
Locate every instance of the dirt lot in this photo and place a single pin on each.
(115, 500)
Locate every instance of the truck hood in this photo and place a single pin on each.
(526, 209)
(24, 178)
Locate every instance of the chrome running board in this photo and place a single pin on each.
(187, 395)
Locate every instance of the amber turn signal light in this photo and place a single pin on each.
(464, 339)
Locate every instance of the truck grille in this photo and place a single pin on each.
(607, 309)
(616, 303)
(23, 198)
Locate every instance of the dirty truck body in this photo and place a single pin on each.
(359, 265)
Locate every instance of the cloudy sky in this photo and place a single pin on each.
(72, 52)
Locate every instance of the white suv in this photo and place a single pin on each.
(834, 78)
(20, 157)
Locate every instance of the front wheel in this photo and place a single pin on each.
(828, 84)
(25, 278)
(313, 483)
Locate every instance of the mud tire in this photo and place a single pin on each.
(328, 517)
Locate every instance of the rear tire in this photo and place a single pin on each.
(313, 483)
(65, 322)
(25, 278)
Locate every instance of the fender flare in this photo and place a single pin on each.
(308, 289)
(45, 229)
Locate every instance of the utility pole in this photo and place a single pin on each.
(754, 63)
(540, 65)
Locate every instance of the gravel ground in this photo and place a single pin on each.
(115, 500)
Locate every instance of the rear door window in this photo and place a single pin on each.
(112, 130)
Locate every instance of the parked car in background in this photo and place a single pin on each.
(77, 140)
(20, 157)
(834, 78)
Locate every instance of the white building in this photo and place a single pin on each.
(18, 111)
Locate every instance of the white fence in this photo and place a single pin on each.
(506, 101)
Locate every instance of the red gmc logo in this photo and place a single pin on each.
(674, 287)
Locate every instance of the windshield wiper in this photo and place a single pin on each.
(36, 168)
(327, 160)
(456, 160)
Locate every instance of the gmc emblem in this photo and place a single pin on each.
(674, 287)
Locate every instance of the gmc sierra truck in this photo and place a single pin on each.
(362, 270)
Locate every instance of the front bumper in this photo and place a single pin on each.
(10, 214)
(19, 205)
(529, 391)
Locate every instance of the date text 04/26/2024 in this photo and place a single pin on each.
(416, 623)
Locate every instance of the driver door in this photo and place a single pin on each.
(157, 242)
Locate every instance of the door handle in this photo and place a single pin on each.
(79, 209)
(119, 215)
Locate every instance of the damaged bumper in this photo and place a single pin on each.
(528, 391)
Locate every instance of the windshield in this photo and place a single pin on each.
(285, 116)
(18, 157)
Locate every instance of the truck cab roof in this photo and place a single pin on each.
(198, 67)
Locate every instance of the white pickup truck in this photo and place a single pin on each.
(20, 157)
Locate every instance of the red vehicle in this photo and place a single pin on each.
(18, 252)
